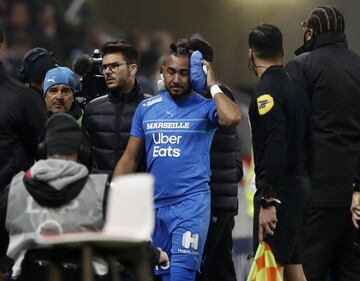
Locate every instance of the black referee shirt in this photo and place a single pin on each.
(280, 122)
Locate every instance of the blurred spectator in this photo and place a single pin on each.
(149, 70)
(161, 41)
(142, 42)
(51, 30)
(91, 39)
(19, 21)
(20, 44)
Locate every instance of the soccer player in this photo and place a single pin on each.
(177, 127)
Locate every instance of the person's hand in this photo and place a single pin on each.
(355, 208)
(267, 222)
(210, 76)
(163, 258)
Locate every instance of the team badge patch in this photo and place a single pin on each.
(264, 103)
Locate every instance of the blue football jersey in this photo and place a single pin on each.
(178, 135)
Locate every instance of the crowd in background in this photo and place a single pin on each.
(29, 24)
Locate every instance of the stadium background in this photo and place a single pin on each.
(72, 27)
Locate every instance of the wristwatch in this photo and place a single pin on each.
(268, 202)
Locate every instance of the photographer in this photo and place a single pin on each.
(107, 119)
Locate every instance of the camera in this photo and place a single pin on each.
(92, 81)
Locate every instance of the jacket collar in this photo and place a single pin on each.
(121, 97)
(324, 39)
(271, 68)
(75, 110)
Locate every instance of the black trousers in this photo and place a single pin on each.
(217, 263)
(329, 236)
(294, 194)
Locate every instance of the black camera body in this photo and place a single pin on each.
(92, 81)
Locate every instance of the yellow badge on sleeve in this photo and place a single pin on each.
(265, 103)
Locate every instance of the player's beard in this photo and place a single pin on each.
(178, 96)
(185, 92)
(122, 83)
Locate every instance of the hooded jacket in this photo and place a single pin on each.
(56, 195)
(331, 74)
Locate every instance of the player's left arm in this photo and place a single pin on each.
(228, 112)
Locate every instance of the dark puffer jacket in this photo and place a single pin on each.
(331, 74)
(107, 120)
(22, 120)
(226, 166)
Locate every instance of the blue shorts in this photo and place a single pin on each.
(181, 229)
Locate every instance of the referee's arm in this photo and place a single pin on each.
(274, 123)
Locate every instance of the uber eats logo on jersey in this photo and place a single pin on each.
(265, 103)
(161, 140)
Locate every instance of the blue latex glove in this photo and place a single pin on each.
(197, 74)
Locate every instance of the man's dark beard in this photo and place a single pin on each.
(187, 93)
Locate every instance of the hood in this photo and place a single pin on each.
(55, 182)
(58, 173)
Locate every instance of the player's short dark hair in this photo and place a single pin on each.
(121, 46)
(196, 44)
(266, 40)
(326, 19)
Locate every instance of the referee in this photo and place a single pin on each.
(279, 115)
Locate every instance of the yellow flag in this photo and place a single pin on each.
(264, 266)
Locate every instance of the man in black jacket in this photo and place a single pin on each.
(226, 172)
(108, 118)
(280, 123)
(22, 120)
(331, 74)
